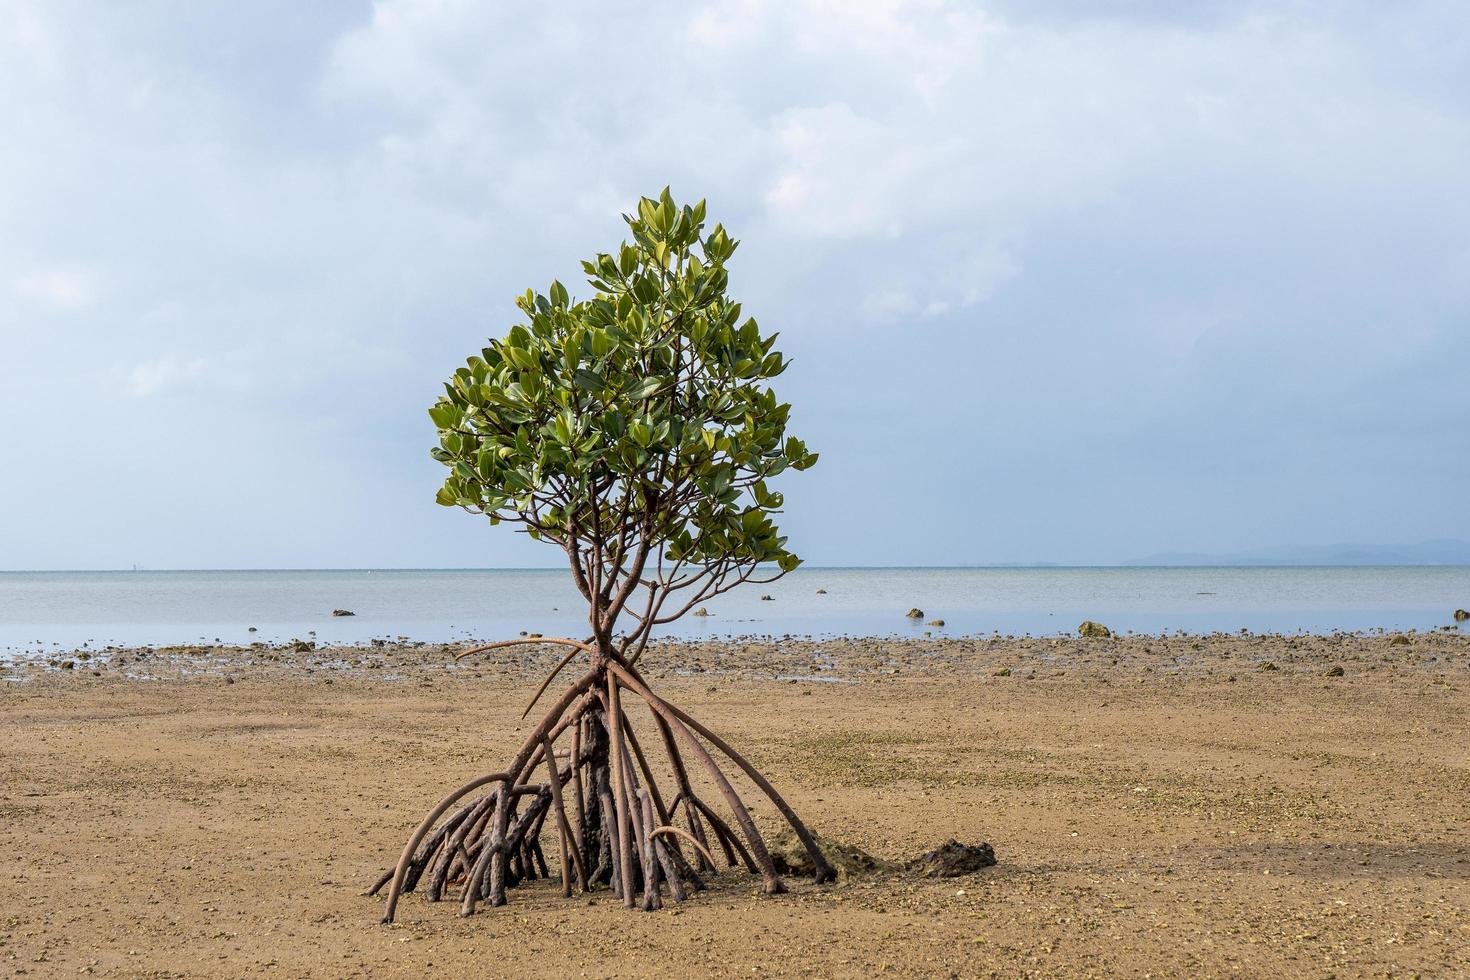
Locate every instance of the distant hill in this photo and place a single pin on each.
(1424, 553)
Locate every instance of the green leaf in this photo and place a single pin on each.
(588, 380)
(641, 433)
(571, 350)
(646, 389)
(648, 211)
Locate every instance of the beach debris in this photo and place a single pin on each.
(343, 612)
(1268, 665)
(1398, 640)
(1334, 672)
(791, 857)
(824, 592)
(1090, 628)
(1461, 615)
(915, 613)
(952, 859)
(935, 622)
(302, 646)
(767, 598)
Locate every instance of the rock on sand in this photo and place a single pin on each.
(951, 859)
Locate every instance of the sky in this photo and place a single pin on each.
(1061, 281)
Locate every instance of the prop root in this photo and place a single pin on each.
(599, 794)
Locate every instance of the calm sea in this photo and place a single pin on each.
(64, 610)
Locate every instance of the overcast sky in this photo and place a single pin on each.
(1062, 281)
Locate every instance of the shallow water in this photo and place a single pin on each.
(42, 611)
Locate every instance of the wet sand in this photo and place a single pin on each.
(1168, 806)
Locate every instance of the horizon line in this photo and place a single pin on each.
(1012, 566)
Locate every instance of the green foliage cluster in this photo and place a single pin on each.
(635, 428)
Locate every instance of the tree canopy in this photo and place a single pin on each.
(636, 428)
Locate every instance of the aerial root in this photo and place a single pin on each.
(670, 829)
(599, 795)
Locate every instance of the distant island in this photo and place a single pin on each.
(1425, 553)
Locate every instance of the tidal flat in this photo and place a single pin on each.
(1183, 805)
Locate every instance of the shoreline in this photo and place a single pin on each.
(764, 657)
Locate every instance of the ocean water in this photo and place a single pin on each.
(45, 611)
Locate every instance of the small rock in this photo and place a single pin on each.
(343, 612)
(935, 622)
(1089, 628)
(951, 859)
(251, 630)
(767, 598)
(824, 592)
(1334, 672)
(1461, 615)
(915, 613)
(701, 611)
(1398, 640)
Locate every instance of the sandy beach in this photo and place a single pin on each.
(1204, 806)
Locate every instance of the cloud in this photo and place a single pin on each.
(56, 289)
(1139, 239)
(160, 374)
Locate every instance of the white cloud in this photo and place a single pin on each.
(160, 374)
(63, 289)
(889, 304)
(955, 283)
(729, 23)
